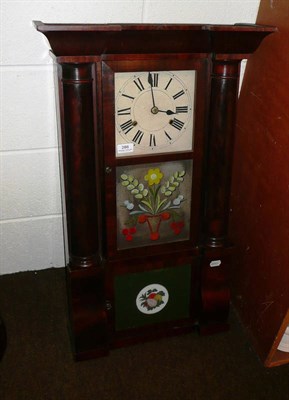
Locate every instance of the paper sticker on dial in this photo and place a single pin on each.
(154, 111)
(152, 299)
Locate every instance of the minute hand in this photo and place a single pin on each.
(150, 81)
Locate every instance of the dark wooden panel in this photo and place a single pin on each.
(260, 202)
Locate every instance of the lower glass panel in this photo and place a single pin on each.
(153, 203)
(152, 297)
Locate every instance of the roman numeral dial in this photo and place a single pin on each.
(154, 111)
(138, 137)
(176, 123)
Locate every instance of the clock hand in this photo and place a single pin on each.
(150, 81)
(168, 112)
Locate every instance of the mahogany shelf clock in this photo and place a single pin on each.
(147, 116)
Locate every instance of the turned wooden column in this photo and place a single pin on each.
(223, 102)
(217, 249)
(85, 274)
(78, 120)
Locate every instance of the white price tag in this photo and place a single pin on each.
(125, 148)
(215, 263)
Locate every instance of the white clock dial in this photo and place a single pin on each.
(154, 112)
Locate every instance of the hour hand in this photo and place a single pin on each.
(168, 112)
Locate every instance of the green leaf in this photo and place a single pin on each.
(148, 204)
(166, 205)
(151, 191)
(157, 189)
(161, 204)
(158, 199)
(143, 208)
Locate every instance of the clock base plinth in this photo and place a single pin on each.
(154, 332)
(101, 321)
(87, 309)
(103, 307)
(215, 292)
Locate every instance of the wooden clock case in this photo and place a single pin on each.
(85, 57)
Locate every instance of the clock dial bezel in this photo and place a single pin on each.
(153, 63)
(154, 111)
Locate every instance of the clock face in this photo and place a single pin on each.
(154, 112)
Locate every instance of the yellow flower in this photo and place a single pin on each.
(153, 176)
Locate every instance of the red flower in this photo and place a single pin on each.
(166, 215)
(132, 230)
(155, 236)
(128, 232)
(177, 227)
(129, 238)
(142, 219)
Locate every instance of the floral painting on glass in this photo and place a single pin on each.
(153, 203)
